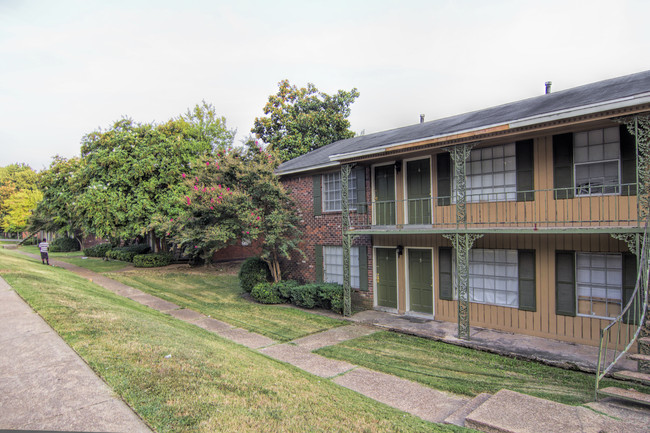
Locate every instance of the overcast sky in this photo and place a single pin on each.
(70, 67)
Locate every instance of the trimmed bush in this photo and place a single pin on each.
(266, 293)
(98, 250)
(285, 287)
(253, 271)
(153, 260)
(306, 296)
(63, 245)
(331, 296)
(126, 254)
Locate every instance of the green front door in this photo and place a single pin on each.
(420, 281)
(418, 184)
(386, 277)
(385, 195)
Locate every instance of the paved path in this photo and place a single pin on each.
(44, 384)
(503, 412)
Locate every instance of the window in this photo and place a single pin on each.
(599, 284)
(491, 174)
(494, 277)
(332, 191)
(333, 265)
(597, 161)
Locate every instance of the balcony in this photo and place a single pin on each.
(552, 210)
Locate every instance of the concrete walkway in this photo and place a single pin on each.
(503, 412)
(45, 385)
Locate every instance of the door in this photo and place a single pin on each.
(386, 277)
(418, 190)
(385, 195)
(420, 281)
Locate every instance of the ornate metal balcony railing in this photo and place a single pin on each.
(567, 208)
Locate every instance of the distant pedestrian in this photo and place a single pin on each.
(44, 246)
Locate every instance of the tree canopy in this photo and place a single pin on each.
(233, 196)
(299, 120)
(18, 196)
(131, 173)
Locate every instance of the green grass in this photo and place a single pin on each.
(465, 371)
(219, 296)
(208, 384)
(33, 249)
(95, 264)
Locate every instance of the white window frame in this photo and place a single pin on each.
(592, 139)
(480, 169)
(331, 270)
(613, 282)
(334, 178)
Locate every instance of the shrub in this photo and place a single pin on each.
(285, 287)
(306, 296)
(126, 254)
(331, 296)
(64, 244)
(266, 293)
(253, 271)
(98, 250)
(153, 260)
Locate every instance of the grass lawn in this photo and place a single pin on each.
(219, 296)
(93, 263)
(208, 384)
(465, 371)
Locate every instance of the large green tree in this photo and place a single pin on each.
(233, 196)
(18, 196)
(299, 120)
(131, 173)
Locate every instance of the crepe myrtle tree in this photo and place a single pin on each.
(236, 195)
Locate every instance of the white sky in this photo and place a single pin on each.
(69, 67)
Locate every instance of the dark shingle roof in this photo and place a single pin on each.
(589, 94)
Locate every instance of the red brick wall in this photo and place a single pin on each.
(238, 252)
(322, 229)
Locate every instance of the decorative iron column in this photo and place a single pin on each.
(462, 242)
(347, 238)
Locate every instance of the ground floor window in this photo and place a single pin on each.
(333, 265)
(494, 277)
(599, 284)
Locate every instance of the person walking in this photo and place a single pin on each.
(44, 246)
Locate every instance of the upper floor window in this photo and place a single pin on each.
(596, 156)
(331, 193)
(491, 174)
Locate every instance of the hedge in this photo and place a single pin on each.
(267, 293)
(63, 245)
(98, 250)
(126, 254)
(153, 260)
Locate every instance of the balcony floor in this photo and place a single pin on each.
(418, 230)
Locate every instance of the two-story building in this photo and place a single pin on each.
(523, 217)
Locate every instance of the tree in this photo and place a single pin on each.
(301, 120)
(18, 186)
(238, 196)
(131, 172)
(61, 187)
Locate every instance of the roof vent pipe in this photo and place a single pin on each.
(548, 86)
(421, 118)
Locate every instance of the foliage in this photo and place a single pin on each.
(64, 244)
(305, 296)
(331, 297)
(299, 120)
(61, 186)
(126, 254)
(284, 288)
(98, 250)
(19, 196)
(328, 296)
(252, 272)
(237, 195)
(266, 293)
(153, 260)
(131, 173)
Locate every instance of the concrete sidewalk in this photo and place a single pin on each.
(45, 385)
(503, 412)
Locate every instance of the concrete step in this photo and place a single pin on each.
(639, 357)
(644, 341)
(633, 375)
(626, 394)
(458, 417)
